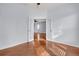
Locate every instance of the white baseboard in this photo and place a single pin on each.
(65, 43)
(12, 45)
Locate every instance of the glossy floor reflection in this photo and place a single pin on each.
(52, 49)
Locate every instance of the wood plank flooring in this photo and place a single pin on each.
(52, 49)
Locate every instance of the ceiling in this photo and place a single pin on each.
(42, 9)
(45, 5)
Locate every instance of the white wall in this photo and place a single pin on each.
(36, 12)
(15, 20)
(16, 23)
(13, 24)
(42, 27)
(65, 24)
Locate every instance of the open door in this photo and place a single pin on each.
(39, 32)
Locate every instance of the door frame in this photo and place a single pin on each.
(31, 27)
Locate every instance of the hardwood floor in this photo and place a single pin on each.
(41, 40)
(20, 50)
(62, 50)
(52, 49)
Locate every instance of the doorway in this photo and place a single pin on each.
(39, 32)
